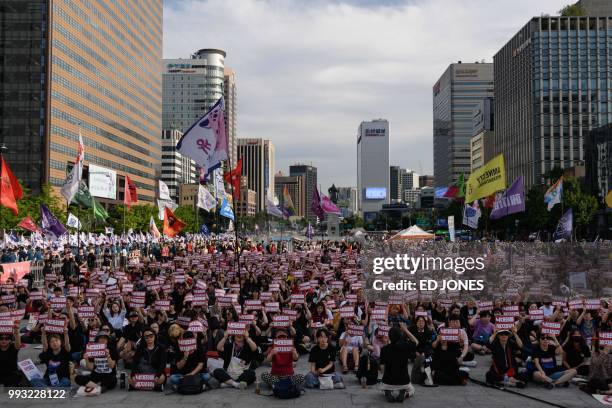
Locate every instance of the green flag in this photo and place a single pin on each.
(461, 186)
(84, 198)
(99, 211)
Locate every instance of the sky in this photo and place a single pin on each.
(309, 71)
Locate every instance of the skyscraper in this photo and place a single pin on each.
(309, 173)
(99, 74)
(176, 168)
(395, 183)
(372, 167)
(552, 86)
(296, 186)
(230, 91)
(455, 95)
(258, 167)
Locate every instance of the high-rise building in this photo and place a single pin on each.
(230, 92)
(372, 167)
(258, 167)
(552, 86)
(176, 168)
(455, 95)
(191, 87)
(412, 197)
(296, 186)
(68, 66)
(426, 181)
(247, 205)
(427, 197)
(347, 201)
(598, 161)
(410, 180)
(596, 7)
(395, 183)
(309, 173)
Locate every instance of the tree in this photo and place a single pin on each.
(583, 205)
(30, 206)
(572, 10)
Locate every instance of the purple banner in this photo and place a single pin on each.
(510, 201)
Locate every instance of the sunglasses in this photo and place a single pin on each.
(148, 336)
(545, 338)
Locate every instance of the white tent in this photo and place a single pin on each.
(413, 233)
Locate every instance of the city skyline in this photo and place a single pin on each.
(353, 75)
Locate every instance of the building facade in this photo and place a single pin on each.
(347, 201)
(455, 95)
(176, 168)
(395, 183)
(372, 167)
(598, 161)
(247, 205)
(296, 186)
(596, 7)
(412, 197)
(188, 194)
(92, 67)
(309, 174)
(258, 167)
(426, 181)
(230, 92)
(410, 180)
(427, 197)
(552, 86)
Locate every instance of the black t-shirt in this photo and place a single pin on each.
(101, 363)
(8, 360)
(56, 363)
(395, 359)
(192, 362)
(576, 355)
(322, 357)
(91, 260)
(245, 353)
(547, 359)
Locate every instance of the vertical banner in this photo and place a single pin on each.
(451, 227)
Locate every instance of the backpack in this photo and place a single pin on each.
(190, 385)
(284, 388)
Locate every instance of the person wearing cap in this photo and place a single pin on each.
(505, 346)
(103, 369)
(131, 333)
(9, 354)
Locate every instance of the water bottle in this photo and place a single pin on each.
(257, 387)
(122, 380)
(506, 380)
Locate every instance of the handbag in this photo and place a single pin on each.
(326, 383)
(191, 385)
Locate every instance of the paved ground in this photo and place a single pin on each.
(472, 395)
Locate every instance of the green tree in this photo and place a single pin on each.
(583, 205)
(30, 206)
(572, 10)
(536, 216)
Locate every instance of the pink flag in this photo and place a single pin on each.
(328, 205)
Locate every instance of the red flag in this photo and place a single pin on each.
(233, 177)
(7, 191)
(489, 201)
(28, 224)
(17, 190)
(172, 225)
(130, 194)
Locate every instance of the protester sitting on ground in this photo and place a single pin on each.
(425, 333)
(544, 357)
(600, 372)
(56, 356)
(321, 362)
(9, 355)
(131, 333)
(239, 353)
(103, 369)
(149, 358)
(282, 364)
(350, 344)
(504, 345)
(369, 361)
(444, 363)
(394, 365)
(483, 329)
(576, 354)
(465, 357)
(191, 363)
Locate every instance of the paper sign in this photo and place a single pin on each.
(379, 314)
(163, 305)
(280, 321)
(536, 314)
(86, 312)
(355, 330)
(605, 338)
(485, 305)
(512, 310)
(36, 295)
(252, 305)
(351, 298)
(196, 327)
(297, 299)
(272, 307)
(504, 322)
(93, 350)
(58, 303)
(54, 325)
(448, 334)
(423, 313)
(246, 318)
(592, 304)
(283, 345)
(383, 330)
(576, 304)
(553, 328)
(29, 369)
(6, 326)
(187, 345)
(347, 311)
(144, 382)
(234, 328)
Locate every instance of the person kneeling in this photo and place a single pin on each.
(394, 365)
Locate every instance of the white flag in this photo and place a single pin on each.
(164, 192)
(206, 200)
(161, 204)
(73, 221)
(71, 185)
(205, 142)
(219, 186)
(153, 228)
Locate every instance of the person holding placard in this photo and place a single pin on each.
(544, 357)
(190, 361)
(56, 356)
(238, 354)
(350, 343)
(282, 356)
(321, 362)
(394, 365)
(115, 314)
(102, 364)
(150, 358)
(576, 353)
(444, 363)
(505, 345)
(9, 355)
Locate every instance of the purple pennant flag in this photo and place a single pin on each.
(315, 204)
(510, 201)
(328, 206)
(49, 224)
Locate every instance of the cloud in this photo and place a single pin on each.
(308, 72)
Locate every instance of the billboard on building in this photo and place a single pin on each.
(102, 182)
(375, 193)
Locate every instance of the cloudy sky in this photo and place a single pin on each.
(309, 71)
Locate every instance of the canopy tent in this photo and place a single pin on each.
(412, 233)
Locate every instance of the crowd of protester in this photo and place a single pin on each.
(190, 314)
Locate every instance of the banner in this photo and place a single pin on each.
(164, 192)
(73, 221)
(9, 188)
(163, 204)
(486, 180)
(273, 210)
(130, 194)
(205, 142)
(564, 228)
(16, 270)
(102, 182)
(471, 215)
(511, 201)
(206, 201)
(27, 223)
(49, 224)
(172, 224)
(451, 227)
(226, 210)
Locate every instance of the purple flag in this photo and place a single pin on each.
(328, 206)
(49, 224)
(510, 201)
(315, 204)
